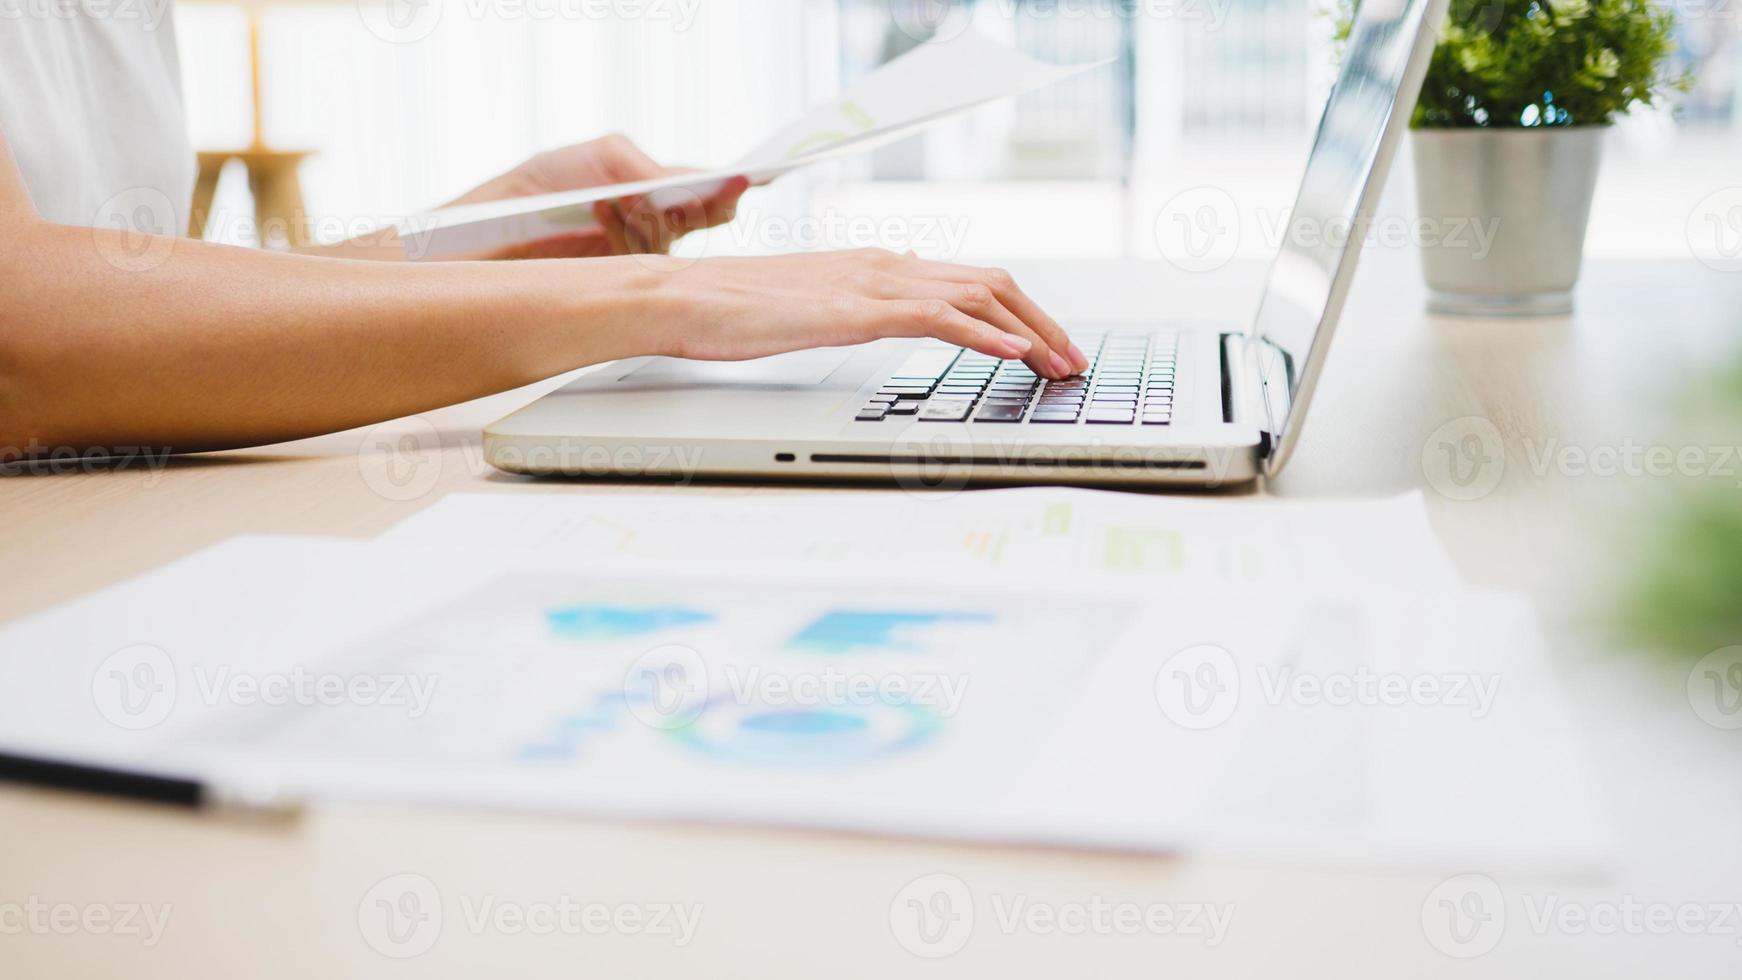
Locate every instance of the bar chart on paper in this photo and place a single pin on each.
(617, 678)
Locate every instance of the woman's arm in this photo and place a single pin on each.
(109, 339)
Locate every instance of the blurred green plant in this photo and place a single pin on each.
(1529, 63)
(1683, 594)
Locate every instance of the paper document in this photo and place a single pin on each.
(935, 80)
(1087, 539)
(1417, 725)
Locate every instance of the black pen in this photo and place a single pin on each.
(177, 791)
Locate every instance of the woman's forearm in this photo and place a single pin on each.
(110, 340)
(113, 340)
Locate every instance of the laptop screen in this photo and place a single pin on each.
(1386, 53)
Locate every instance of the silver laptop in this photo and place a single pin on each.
(1160, 405)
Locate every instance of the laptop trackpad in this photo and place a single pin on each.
(805, 367)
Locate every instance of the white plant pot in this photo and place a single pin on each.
(1507, 209)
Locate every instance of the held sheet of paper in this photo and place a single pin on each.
(1216, 702)
(936, 80)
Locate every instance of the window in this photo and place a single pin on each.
(1220, 92)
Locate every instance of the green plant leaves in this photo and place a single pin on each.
(1530, 63)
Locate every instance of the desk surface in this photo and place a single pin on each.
(269, 901)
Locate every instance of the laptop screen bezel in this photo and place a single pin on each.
(1287, 374)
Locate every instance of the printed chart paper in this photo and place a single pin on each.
(939, 704)
(1085, 539)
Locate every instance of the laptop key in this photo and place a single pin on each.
(999, 413)
(945, 410)
(1054, 418)
(870, 416)
(1104, 416)
(904, 408)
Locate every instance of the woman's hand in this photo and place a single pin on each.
(733, 309)
(631, 225)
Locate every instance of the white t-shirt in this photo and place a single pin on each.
(91, 106)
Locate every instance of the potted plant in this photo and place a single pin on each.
(1508, 133)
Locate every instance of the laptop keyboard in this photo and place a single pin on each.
(1130, 381)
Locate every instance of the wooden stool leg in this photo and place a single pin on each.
(278, 204)
(205, 189)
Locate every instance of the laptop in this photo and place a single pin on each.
(1162, 404)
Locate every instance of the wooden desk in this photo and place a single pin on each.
(283, 901)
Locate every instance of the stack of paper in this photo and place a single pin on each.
(1063, 666)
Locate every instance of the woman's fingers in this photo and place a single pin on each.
(723, 207)
(624, 162)
(695, 213)
(650, 229)
(1011, 296)
(623, 232)
(981, 303)
(610, 221)
(936, 318)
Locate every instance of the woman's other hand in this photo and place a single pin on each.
(628, 226)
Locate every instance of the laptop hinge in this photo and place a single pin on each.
(1257, 378)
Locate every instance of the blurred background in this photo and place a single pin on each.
(407, 103)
